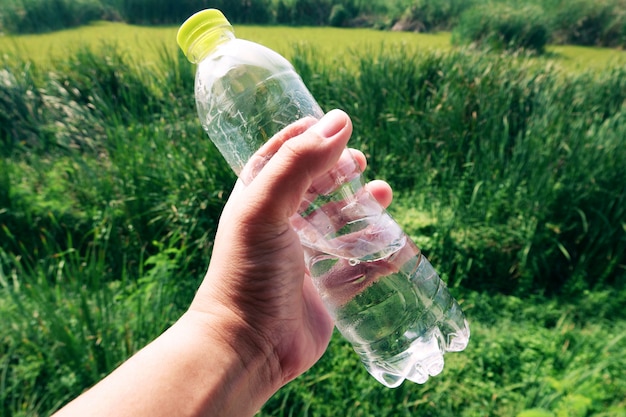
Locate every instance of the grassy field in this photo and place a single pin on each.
(507, 172)
(329, 42)
(507, 23)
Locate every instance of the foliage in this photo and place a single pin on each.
(339, 16)
(70, 326)
(167, 12)
(523, 355)
(34, 16)
(503, 23)
(429, 16)
(600, 23)
(20, 110)
(508, 174)
(112, 136)
(502, 26)
(500, 144)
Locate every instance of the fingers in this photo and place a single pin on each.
(381, 191)
(280, 173)
(267, 151)
(359, 157)
(278, 188)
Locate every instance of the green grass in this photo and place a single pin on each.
(581, 22)
(508, 173)
(524, 355)
(148, 41)
(333, 43)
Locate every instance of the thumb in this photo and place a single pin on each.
(278, 189)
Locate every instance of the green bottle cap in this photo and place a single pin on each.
(202, 32)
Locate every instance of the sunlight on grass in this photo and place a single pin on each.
(582, 57)
(150, 40)
(147, 41)
(328, 42)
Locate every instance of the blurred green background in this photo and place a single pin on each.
(500, 126)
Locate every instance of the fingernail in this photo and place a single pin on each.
(331, 124)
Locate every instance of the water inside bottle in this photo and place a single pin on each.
(384, 295)
(396, 312)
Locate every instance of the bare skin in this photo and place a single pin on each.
(256, 321)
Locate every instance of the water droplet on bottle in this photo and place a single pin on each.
(353, 262)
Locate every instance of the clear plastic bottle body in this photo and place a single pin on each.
(396, 312)
(384, 295)
(245, 93)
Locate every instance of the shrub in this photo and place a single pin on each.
(339, 16)
(22, 119)
(34, 16)
(599, 23)
(283, 13)
(503, 27)
(175, 12)
(97, 164)
(310, 12)
(429, 15)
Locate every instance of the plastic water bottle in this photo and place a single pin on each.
(384, 295)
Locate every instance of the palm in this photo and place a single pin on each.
(275, 297)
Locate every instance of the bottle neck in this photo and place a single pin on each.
(208, 41)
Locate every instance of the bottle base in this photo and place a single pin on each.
(423, 358)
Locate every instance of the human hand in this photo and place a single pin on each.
(256, 321)
(257, 283)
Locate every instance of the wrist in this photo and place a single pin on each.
(232, 363)
(187, 371)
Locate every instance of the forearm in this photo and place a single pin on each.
(257, 320)
(184, 373)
